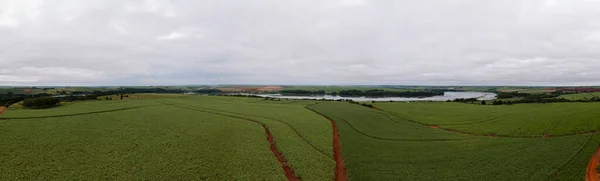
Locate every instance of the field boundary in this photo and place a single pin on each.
(76, 114)
(288, 171)
(272, 119)
(341, 174)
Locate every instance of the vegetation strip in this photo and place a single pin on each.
(294, 129)
(340, 170)
(571, 159)
(592, 172)
(77, 114)
(288, 171)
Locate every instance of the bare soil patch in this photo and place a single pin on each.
(340, 170)
(270, 88)
(592, 173)
(434, 126)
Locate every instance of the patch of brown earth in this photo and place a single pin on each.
(2, 109)
(340, 169)
(592, 173)
(289, 173)
(270, 88)
(434, 126)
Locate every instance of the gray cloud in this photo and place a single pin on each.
(151, 42)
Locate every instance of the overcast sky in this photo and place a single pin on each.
(182, 42)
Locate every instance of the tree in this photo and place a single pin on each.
(40, 102)
(482, 102)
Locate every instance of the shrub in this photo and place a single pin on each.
(40, 102)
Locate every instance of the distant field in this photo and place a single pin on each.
(510, 120)
(340, 88)
(581, 96)
(532, 90)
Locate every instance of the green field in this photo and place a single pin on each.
(581, 96)
(178, 137)
(380, 146)
(509, 120)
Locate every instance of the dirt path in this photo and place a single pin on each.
(2, 109)
(340, 169)
(289, 173)
(592, 173)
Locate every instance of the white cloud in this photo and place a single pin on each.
(171, 36)
(299, 42)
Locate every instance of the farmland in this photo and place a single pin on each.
(509, 120)
(581, 96)
(199, 137)
(380, 146)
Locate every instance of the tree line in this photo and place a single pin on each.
(367, 93)
(526, 98)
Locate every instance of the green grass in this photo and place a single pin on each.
(388, 148)
(508, 120)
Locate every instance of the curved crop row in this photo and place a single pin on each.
(288, 171)
(309, 165)
(473, 158)
(277, 120)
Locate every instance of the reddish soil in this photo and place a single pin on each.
(592, 173)
(434, 126)
(340, 169)
(2, 109)
(580, 89)
(289, 173)
(270, 88)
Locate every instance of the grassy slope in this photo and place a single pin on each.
(158, 143)
(513, 120)
(373, 150)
